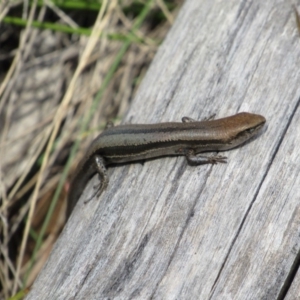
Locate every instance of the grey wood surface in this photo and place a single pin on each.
(167, 230)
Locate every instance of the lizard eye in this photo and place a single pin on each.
(251, 130)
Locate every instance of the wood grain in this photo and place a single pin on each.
(167, 230)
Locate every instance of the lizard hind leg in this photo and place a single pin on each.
(99, 164)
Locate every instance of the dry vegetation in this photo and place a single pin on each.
(57, 91)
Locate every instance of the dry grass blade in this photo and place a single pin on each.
(297, 18)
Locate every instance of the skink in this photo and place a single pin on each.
(126, 143)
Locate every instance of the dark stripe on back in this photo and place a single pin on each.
(137, 149)
(154, 128)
